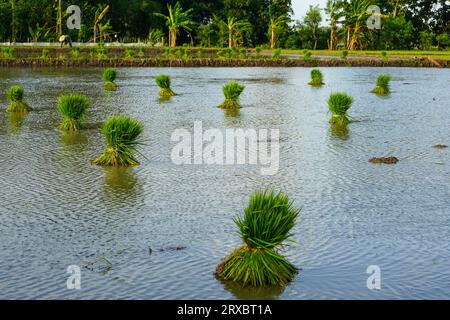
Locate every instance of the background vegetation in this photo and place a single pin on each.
(406, 24)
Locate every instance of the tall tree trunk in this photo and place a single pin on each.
(230, 38)
(273, 40)
(173, 38)
(333, 38)
(13, 22)
(59, 19)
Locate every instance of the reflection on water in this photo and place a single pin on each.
(16, 120)
(252, 293)
(121, 184)
(74, 138)
(339, 130)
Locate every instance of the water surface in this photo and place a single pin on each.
(56, 209)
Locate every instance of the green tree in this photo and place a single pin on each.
(313, 19)
(176, 19)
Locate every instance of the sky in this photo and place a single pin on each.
(301, 6)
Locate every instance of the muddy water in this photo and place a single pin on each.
(56, 209)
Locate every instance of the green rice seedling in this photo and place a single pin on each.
(15, 96)
(307, 56)
(122, 138)
(232, 92)
(265, 227)
(45, 54)
(109, 76)
(277, 54)
(383, 55)
(8, 53)
(75, 53)
(200, 53)
(382, 86)
(141, 52)
(316, 78)
(163, 82)
(338, 104)
(243, 53)
(344, 54)
(73, 108)
(92, 52)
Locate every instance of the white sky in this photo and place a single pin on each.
(301, 6)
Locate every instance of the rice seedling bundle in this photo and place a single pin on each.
(73, 108)
(109, 76)
(316, 78)
(265, 227)
(163, 82)
(232, 92)
(382, 87)
(15, 96)
(338, 104)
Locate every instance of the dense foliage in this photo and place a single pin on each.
(406, 24)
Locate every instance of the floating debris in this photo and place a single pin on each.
(387, 160)
(440, 146)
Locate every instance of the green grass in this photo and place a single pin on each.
(344, 54)
(122, 138)
(163, 82)
(382, 86)
(15, 95)
(266, 225)
(109, 76)
(73, 108)
(307, 55)
(338, 104)
(232, 91)
(316, 78)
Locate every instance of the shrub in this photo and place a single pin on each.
(15, 96)
(121, 134)
(382, 86)
(316, 78)
(266, 225)
(232, 92)
(344, 54)
(73, 108)
(338, 104)
(307, 56)
(109, 76)
(163, 82)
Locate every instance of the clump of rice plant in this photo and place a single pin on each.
(141, 52)
(338, 104)
(75, 53)
(73, 108)
(383, 55)
(163, 82)
(243, 53)
(8, 52)
(122, 138)
(258, 51)
(316, 78)
(344, 54)
(232, 92)
(265, 227)
(307, 56)
(382, 86)
(15, 96)
(109, 76)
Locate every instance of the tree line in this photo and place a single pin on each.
(405, 24)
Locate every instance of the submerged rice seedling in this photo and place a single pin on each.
(109, 76)
(266, 226)
(232, 91)
(163, 82)
(338, 104)
(382, 87)
(121, 134)
(15, 95)
(316, 78)
(73, 108)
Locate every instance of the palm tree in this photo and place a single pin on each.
(333, 9)
(312, 20)
(356, 16)
(176, 19)
(274, 24)
(233, 28)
